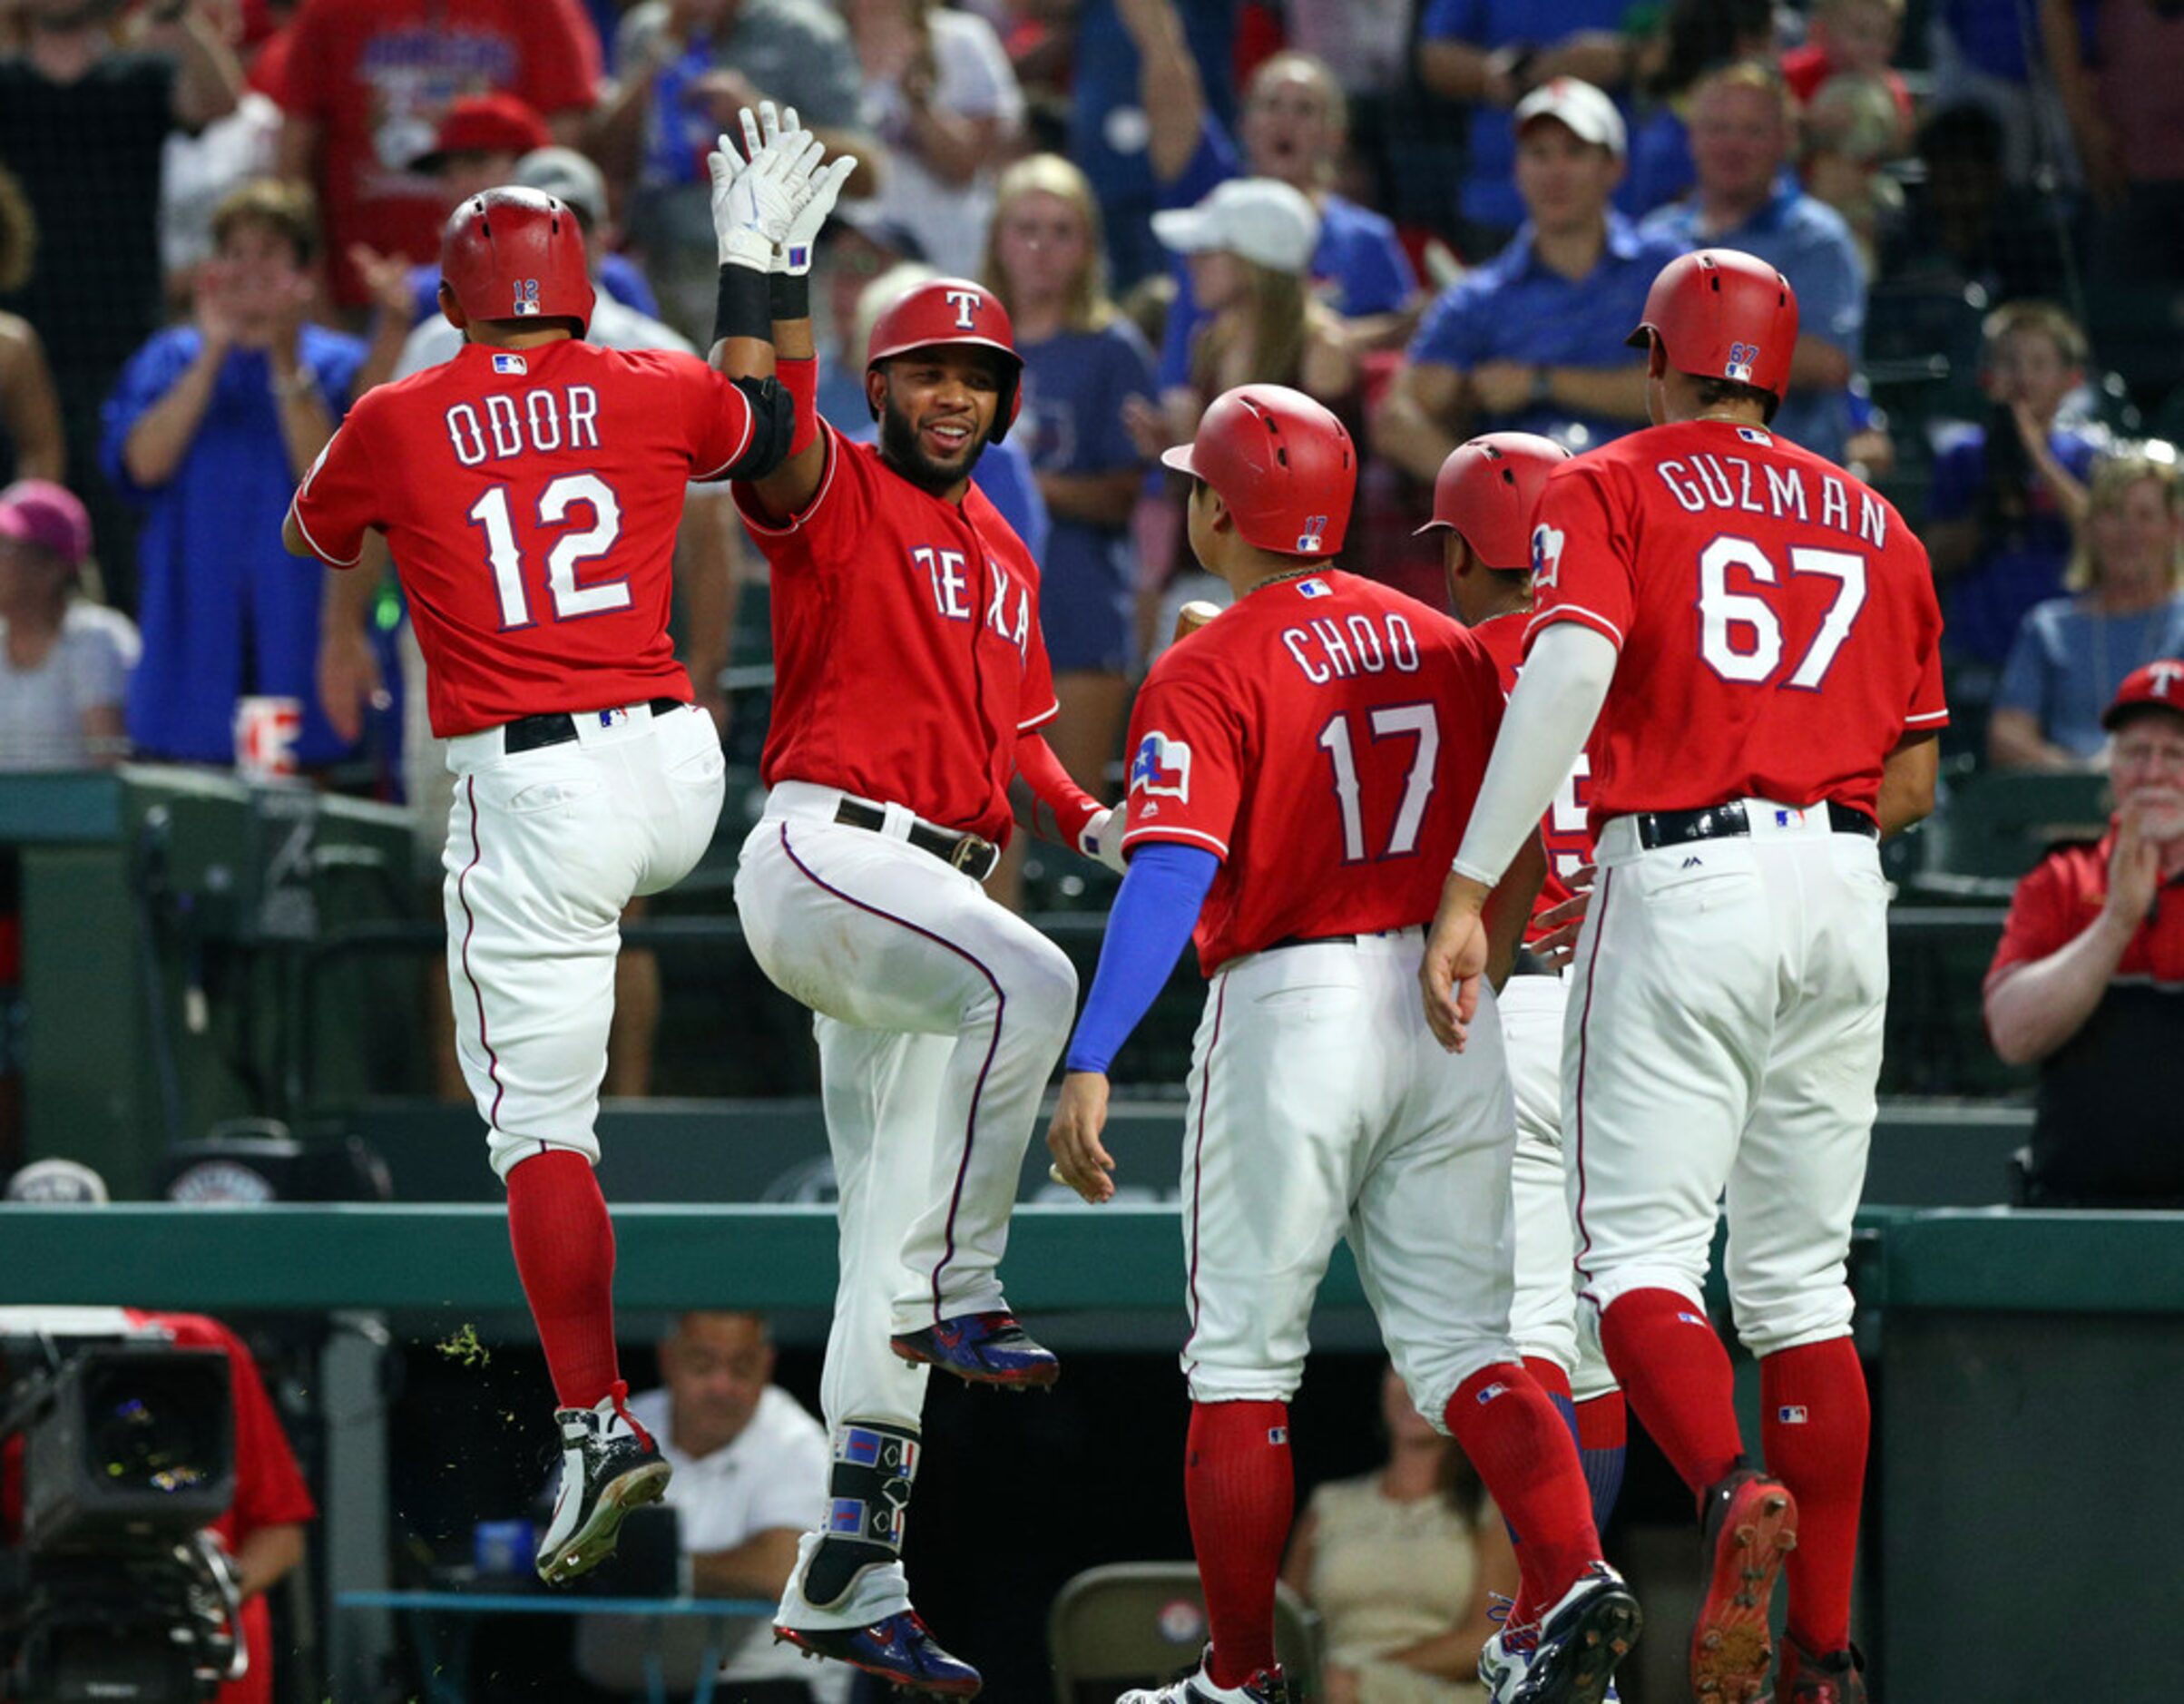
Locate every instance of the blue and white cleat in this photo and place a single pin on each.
(899, 1649)
(981, 1349)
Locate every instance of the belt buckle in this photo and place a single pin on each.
(969, 849)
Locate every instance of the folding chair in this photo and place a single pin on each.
(1140, 1623)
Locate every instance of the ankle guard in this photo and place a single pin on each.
(867, 1506)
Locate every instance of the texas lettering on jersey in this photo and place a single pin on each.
(1326, 740)
(907, 655)
(1775, 619)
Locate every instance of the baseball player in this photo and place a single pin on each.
(910, 682)
(1762, 627)
(530, 490)
(1483, 499)
(1299, 769)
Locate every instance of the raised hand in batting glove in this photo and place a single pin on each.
(794, 256)
(755, 199)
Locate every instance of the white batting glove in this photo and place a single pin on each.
(1103, 837)
(755, 199)
(794, 256)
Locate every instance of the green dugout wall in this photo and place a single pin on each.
(2023, 1540)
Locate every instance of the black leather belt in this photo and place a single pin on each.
(529, 734)
(1326, 940)
(1728, 822)
(1530, 964)
(972, 853)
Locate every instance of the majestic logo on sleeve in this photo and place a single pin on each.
(1307, 540)
(526, 297)
(1743, 357)
(966, 304)
(1546, 555)
(1161, 766)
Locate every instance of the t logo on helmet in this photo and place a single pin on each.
(526, 297)
(965, 303)
(1743, 357)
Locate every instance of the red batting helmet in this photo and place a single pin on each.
(1282, 463)
(512, 253)
(944, 310)
(1487, 490)
(1721, 314)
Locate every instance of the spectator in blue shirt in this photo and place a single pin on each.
(207, 431)
(2006, 495)
(1490, 54)
(1294, 128)
(1533, 340)
(2126, 610)
(1082, 362)
(1743, 129)
(1108, 126)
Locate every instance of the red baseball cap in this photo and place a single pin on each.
(40, 513)
(497, 124)
(2159, 684)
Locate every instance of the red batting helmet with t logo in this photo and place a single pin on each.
(943, 310)
(513, 253)
(1721, 314)
(1283, 465)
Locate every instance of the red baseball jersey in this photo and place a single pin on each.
(2059, 900)
(1563, 830)
(530, 499)
(907, 655)
(374, 77)
(1775, 619)
(1324, 737)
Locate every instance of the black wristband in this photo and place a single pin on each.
(740, 308)
(791, 295)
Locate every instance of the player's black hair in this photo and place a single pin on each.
(1714, 392)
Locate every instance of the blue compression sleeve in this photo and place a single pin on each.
(1146, 933)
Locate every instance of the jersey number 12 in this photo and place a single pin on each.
(571, 599)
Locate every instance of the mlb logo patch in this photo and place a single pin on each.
(1490, 1392)
(510, 363)
(1693, 1319)
(1792, 1414)
(526, 297)
(1752, 434)
(1307, 540)
(1277, 1435)
(1161, 766)
(1313, 589)
(1743, 357)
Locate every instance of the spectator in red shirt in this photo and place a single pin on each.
(364, 89)
(2089, 979)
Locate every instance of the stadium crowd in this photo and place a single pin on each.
(218, 225)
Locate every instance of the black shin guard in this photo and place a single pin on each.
(868, 1502)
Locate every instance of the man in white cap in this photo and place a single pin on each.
(1532, 340)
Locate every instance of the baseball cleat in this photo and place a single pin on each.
(1750, 1527)
(1265, 1686)
(1581, 1641)
(1507, 1655)
(1837, 1677)
(981, 1349)
(608, 1468)
(899, 1649)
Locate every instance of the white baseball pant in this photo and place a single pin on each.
(1724, 1033)
(877, 936)
(1321, 1107)
(544, 848)
(1543, 1309)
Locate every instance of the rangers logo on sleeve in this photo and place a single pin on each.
(1546, 555)
(1161, 766)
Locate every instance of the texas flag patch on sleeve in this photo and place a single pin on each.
(1161, 766)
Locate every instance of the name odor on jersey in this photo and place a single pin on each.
(542, 421)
